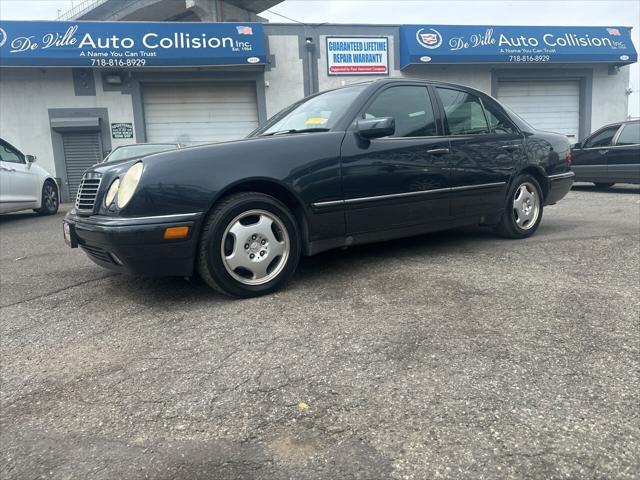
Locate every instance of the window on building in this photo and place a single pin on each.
(410, 107)
(463, 112)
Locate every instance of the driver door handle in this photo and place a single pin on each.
(8, 169)
(438, 151)
(510, 148)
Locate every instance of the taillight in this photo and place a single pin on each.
(570, 157)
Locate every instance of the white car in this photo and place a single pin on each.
(24, 185)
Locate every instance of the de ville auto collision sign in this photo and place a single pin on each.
(422, 44)
(357, 55)
(130, 44)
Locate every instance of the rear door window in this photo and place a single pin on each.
(464, 114)
(630, 134)
(498, 121)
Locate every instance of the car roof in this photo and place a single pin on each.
(422, 81)
(619, 124)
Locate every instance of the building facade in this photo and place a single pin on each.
(71, 110)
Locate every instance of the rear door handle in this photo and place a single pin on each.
(438, 151)
(510, 148)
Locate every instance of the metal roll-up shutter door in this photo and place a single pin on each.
(199, 113)
(81, 151)
(547, 105)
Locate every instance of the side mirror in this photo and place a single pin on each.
(577, 146)
(30, 158)
(376, 127)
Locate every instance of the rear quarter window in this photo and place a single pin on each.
(630, 134)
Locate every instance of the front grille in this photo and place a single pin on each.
(88, 191)
(98, 253)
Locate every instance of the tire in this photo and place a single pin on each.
(603, 186)
(249, 246)
(521, 220)
(50, 199)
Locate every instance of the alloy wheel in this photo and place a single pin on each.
(50, 196)
(255, 247)
(526, 206)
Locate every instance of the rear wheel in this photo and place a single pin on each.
(250, 245)
(50, 199)
(523, 209)
(603, 185)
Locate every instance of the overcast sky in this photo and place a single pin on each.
(465, 12)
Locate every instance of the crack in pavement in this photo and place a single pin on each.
(48, 294)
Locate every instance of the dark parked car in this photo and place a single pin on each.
(610, 155)
(362, 163)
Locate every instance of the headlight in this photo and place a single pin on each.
(128, 184)
(111, 193)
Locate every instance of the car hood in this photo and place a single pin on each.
(119, 165)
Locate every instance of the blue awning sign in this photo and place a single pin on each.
(420, 44)
(130, 44)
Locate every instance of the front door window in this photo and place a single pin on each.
(8, 154)
(603, 138)
(409, 106)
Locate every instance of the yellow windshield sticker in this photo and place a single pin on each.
(316, 121)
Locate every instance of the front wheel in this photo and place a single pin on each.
(523, 209)
(50, 199)
(250, 245)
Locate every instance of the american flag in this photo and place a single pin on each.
(245, 30)
(613, 31)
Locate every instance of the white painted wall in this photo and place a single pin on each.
(286, 81)
(610, 102)
(27, 94)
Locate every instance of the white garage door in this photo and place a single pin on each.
(552, 106)
(199, 113)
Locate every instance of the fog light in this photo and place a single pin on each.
(173, 233)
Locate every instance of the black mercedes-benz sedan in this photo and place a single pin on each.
(362, 163)
(610, 155)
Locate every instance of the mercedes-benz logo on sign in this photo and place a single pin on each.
(430, 39)
(3, 37)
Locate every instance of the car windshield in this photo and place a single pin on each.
(131, 151)
(318, 113)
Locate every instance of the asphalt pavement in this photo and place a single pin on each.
(452, 355)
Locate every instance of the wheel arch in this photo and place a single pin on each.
(277, 190)
(539, 174)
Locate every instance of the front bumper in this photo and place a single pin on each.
(559, 186)
(136, 245)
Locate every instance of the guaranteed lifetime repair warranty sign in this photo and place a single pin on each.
(357, 55)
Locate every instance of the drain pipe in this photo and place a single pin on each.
(310, 46)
